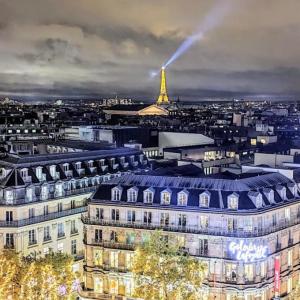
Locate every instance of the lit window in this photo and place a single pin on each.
(148, 195)
(233, 201)
(165, 197)
(132, 194)
(204, 199)
(182, 198)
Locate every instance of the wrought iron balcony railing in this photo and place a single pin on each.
(210, 230)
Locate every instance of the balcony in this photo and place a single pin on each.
(9, 246)
(74, 231)
(216, 231)
(113, 245)
(43, 218)
(47, 239)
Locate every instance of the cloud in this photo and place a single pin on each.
(90, 48)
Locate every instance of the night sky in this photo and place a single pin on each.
(56, 48)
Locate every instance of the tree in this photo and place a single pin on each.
(48, 277)
(163, 271)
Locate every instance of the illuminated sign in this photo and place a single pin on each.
(247, 252)
(277, 276)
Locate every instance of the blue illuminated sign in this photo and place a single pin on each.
(247, 252)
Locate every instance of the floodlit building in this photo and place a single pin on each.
(43, 196)
(246, 231)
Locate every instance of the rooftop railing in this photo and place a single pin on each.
(210, 230)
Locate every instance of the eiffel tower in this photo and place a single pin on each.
(163, 95)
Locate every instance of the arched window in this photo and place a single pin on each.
(132, 194)
(116, 193)
(182, 198)
(148, 195)
(233, 201)
(165, 197)
(204, 199)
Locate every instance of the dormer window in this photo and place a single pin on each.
(24, 173)
(132, 194)
(269, 193)
(182, 198)
(39, 172)
(44, 192)
(9, 196)
(233, 201)
(53, 171)
(66, 167)
(204, 199)
(58, 189)
(90, 163)
(149, 195)
(256, 198)
(165, 197)
(78, 165)
(116, 193)
(281, 191)
(293, 188)
(29, 194)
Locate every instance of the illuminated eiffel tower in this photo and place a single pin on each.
(163, 95)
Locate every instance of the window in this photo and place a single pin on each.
(231, 272)
(98, 235)
(59, 190)
(66, 167)
(231, 224)
(46, 210)
(287, 214)
(78, 165)
(99, 213)
(9, 240)
(233, 201)
(115, 215)
(116, 194)
(182, 198)
(44, 192)
(203, 221)
(47, 233)
(165, 197)
(204, 199)
(53, 171)
(31, 212)
(114, 259)
(132, 194)
(59, 207)
(24, 173)
(73, 227)
(60, 230)
(128, 260)
(9, 196)
(9, 216)
(203, 247)
(113, 236)
(31, 237)
(164, 219)
(148, 195)
(131, 216)
(29, 194)
(249, 272)
(39, 172)
(182, 220)
(73, 204)
(73, 247)
(147, 217)
(130, 238)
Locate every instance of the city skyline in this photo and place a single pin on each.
(100, 49)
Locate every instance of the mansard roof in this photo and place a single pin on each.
(218, 190)
(57, 158)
